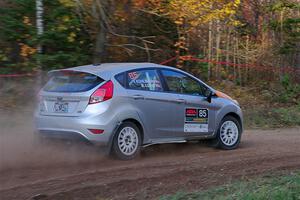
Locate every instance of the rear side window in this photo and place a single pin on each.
(72, 81)
(121, 79)
(147, 79)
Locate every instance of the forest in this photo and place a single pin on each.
(227, 39)
(241, 42)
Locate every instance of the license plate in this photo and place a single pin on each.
(61, 107)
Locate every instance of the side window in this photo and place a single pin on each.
(121, 79)
(144, 80)
(181, 83)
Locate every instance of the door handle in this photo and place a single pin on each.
(138, 96)
(180, 100)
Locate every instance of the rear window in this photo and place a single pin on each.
(72, 81)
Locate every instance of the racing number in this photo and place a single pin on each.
(202, 113)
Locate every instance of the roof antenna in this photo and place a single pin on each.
(97, 64)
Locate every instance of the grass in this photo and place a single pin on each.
(264, 107)
(272, 117)
(276, 188)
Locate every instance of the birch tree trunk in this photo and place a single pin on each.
(218, 40)
(238, 62)
(209, 51)
(39, 22)
(234, 59)
(227, 49)
(247, 59)
(40, 32)
(281, 42)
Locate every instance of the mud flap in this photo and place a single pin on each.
(111, 139)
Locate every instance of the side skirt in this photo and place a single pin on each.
(178, 140)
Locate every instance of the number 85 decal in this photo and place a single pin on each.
(203, 113)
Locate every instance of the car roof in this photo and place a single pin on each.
(107, 70)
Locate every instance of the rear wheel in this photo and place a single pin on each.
(127, 141)
(229, 134)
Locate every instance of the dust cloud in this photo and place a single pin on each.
(20, 148)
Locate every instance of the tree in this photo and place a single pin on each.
(102, 18)
(191, 14)
(65, 41)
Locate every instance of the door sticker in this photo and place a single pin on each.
(196, 120)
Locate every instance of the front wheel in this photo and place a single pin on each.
(229, 134)
(127, 141)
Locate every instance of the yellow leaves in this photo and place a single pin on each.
(26, 51)
(68, 3)
(3, 57)
(66, 27)
(26, 21)
(62, 27)
(194, 23)
(66, 18)
(188, 15)
(71, 37)
(195, 12)
(178, 22)
(236, 3)
(181, 43)
(228, 11)
(236, 23)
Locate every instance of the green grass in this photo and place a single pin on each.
(272, 117)
(276, 188)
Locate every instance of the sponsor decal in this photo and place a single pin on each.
(143, 80)
(191, 112)
(190, 128)
(133, 75)
(196, 120)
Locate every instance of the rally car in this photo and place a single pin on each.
(126, 106)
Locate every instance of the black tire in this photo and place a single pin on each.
(219, 143)
(117, 147)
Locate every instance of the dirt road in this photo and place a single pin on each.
(78, 172)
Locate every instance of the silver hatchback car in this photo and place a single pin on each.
(126, 106)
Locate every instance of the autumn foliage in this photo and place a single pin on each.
(239, 39)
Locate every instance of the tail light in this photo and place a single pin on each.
(103, 93)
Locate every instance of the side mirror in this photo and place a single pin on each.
(209, 94)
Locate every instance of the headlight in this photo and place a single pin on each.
(225, 96)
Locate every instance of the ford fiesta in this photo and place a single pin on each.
(126, 106)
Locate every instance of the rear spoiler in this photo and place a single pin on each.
(53, 72)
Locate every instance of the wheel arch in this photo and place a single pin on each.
(128, 119)
(229, 110)
(138, 124)
(237, 117)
